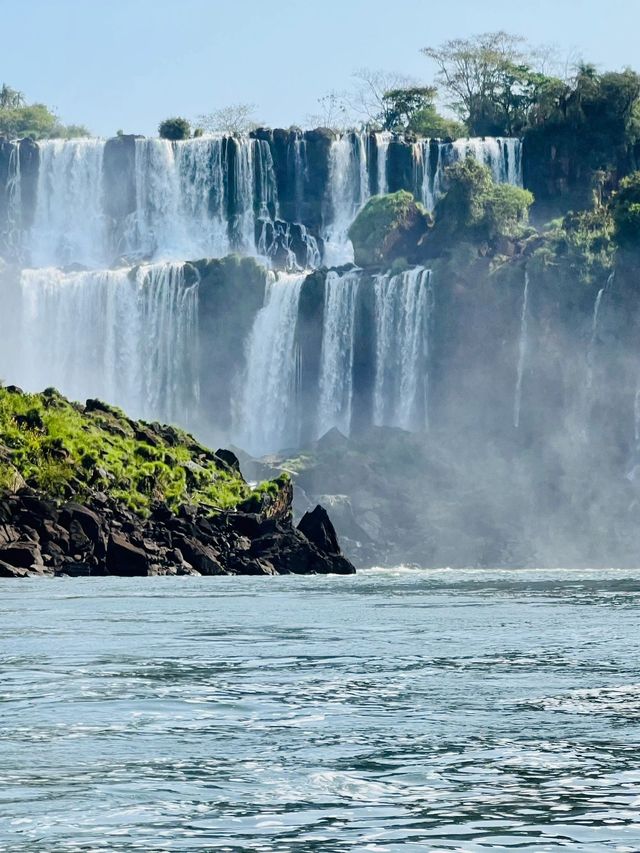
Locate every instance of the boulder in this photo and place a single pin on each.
(8, 571)
(202, 557)
(319, 530)
(23, 555)
(124, 558)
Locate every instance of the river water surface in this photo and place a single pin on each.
(394, 710)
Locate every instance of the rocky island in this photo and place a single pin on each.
(88, 491)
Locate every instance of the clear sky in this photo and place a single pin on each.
(128, 64)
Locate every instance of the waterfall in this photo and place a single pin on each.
(13, 203)
(522, 352)
(210, 196)
(403, 312)
(431, 157)
(348, 191)
(594, 331)
(158, 226)
(502, 155)
(128, 336)
(382, 150)
(300, 175)
(336, 358)
(180, 199)
(266, 417)
(427, 174)
(69, 222)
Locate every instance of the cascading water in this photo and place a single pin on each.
(502, 155)
(266, 417)
(12, 236)
(431, 157)
(209, 196)
(522, 352)
(348, 192)
(403, 311)
(127, 336)
(427, 173)
(591, 351)
(336, 358)
(69, 224)
(300, 175)
(382, 150)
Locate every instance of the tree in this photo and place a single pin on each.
(332, 113)
(487, 79)
(234, 119)
(10, 99)
(19, 119)
(365, 100)
(174, 129)
(400, 106)
(413, 110)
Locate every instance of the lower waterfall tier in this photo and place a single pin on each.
(471, 361)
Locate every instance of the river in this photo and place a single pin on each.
(415, 710)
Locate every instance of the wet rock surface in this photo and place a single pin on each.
(100, 536)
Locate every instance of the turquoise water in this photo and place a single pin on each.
(399, 710)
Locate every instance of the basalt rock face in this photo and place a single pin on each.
(559, 166)
(231, 292)
(100, 536)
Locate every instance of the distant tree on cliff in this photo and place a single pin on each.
(413, 110)
(488, 79)
(365, 100)
(234, 119)
(10, 99)
(174, 128)
(332, 112)
(19, 119)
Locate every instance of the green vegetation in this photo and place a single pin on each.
(265, 493)
(18, 119)
(581, 245)
(67, 449)
(476, 208)
(626, 212)
(413, 110)
(387, 228)
(174, 129)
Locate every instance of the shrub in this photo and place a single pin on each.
(174, 129)
(476, 208)
(626, 212)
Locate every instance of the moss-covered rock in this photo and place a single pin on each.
(66, 449)
(387, 228)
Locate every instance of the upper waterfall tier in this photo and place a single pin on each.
(285, 196)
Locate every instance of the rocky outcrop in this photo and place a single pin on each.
(100, 536)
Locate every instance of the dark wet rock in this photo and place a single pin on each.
(317, 527)
(229, 458)
(100, 536)
(23, 555)
(124, 558)
(8, 571)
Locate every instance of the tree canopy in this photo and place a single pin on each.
(174, 128)
(19, 119)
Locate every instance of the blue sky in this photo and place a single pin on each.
(129, 63)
